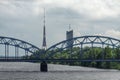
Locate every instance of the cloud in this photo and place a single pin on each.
(113, 33)
(96, 9)
(24, 18)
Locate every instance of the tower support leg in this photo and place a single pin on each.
(43, 67)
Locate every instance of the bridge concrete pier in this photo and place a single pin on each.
(43, 67)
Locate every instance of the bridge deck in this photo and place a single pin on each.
(58, 60)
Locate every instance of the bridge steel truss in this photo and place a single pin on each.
(8, 41)
(80, 42)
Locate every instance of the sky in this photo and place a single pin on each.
(23, 19)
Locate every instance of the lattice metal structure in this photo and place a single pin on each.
(44, 45)
(8, 41)
(81, 41)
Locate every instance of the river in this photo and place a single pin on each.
(30, 71)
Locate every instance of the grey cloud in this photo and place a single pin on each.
(62, 12)
(108, 22)
(28, 26)
(60, 18)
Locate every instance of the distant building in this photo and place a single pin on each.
(69, 36)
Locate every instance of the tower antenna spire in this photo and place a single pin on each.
(44, 16)
(44, 45)
(69, 27)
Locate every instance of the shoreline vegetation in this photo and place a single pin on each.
(87, 53)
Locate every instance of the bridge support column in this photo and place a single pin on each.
(43, 67)
(6, 51)
(16, 52)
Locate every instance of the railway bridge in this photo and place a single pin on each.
(21, 50)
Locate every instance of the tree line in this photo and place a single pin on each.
(86, 53)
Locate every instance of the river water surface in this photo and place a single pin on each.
(30, 71)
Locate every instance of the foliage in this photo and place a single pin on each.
(87, 53)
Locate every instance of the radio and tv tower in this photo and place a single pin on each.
(44, 45)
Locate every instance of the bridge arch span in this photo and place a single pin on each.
(81, 41)
(17, 43)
